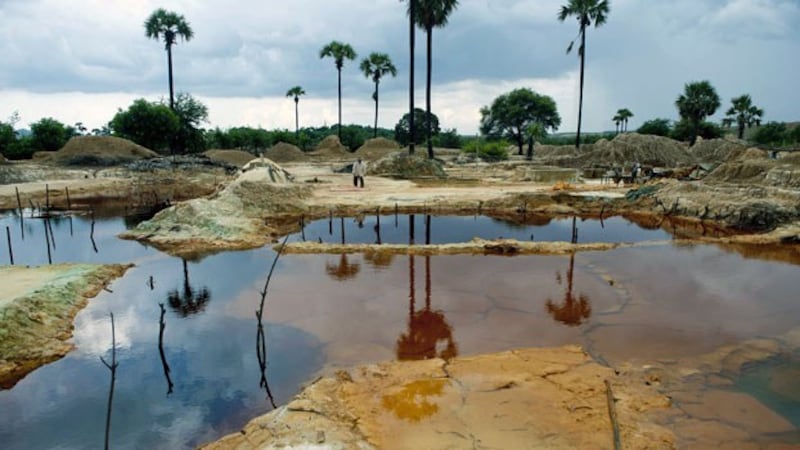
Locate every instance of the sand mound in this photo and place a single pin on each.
(330, 146)
(263, 170)
(377, 148)
(715, 151)
(236, 158)
(622, 151)
(754, 167)
(283, 152)
(405, 166)
(98, 151)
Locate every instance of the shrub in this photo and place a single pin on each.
(488, 151)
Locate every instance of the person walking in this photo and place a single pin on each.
(359, 170)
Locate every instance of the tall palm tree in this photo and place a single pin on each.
(586, 11)
(375, 67)
(339, 52)
(624, 114)
(169, 26)
(698, 101)
(430, 14)
(296, 92)
(411, 38)
(743, 113)
(617, 121)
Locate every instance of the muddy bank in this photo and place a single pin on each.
(555, 398)
(37, 307)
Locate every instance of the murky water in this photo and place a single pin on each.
(641, 304)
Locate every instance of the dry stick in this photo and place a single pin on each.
(612, 414)
(113, 368)
(50, 227)
(342, 223)
(33, 208)
(69, 202)
(261, 345)
(163, 324)
(303, 227)
(91, 234)
(330, 223)
(47, 243)
(19, 203)
(10, 250)
(47, 198)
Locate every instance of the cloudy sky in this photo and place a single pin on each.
(82, 60)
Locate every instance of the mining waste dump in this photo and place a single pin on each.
(216, 364)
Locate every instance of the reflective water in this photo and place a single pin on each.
(339, 310)
(427, 229)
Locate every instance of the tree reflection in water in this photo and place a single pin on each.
(427, 329)
(189, 301)
(573, 311)
(344, 270)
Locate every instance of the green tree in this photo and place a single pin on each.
(191, 113)
(512, 113)
(587, 12)
(772, 133)
(698, 101)
(167, 25)
(685, 130)
(624, 114)
(617, 121)
(534, 132)
(448, 139)
(375, 67)
(7, 137)
(743, 113)
(656, 127)
(152, 125)
(49, 134)
(430, 14)
(412, 124)
(339, 52)
(402, 133)
(296, 92)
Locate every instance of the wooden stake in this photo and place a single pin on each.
(47, 243)
(19, 202)
(10, 250)
(69, 203)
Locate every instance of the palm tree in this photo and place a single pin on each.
(430, 14)
(624, 114)
(698, 101)
(169, 26)
(411, 36)
(375, 67)
(743, 113)
(617, 121)
(296, 92)
(586, 11)
(339, 52)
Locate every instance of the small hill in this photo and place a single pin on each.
(283, 152)
(236, 158)
(330, 147)
(622, 151)
(98, 151)
(404, 166)
(377, 148)
(716, 151)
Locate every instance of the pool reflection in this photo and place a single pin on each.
(572, 311)
(343, 270)
(190, 300)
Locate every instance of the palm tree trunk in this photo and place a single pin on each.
(428, 92)
(411, 33)
(169, 69)
(340, 105)
(296, 117)
(580, 96)
(741, 130)
(375, 130)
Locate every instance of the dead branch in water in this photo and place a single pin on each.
(113, 368)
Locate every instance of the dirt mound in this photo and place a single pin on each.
(99, 151)
(716, 151)
(628, 148)
(405, 166)
(263, 170)
(283, 152)
(236, 158)
(754, 167)
(330, 146)
(377, 148)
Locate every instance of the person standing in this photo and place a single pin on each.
(359, 170)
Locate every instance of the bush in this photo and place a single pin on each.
(565, 139)
(488, 151)
(447, 139)
(655, 127)
(773, 133)
(707, 130)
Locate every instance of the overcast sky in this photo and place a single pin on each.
(82, 60)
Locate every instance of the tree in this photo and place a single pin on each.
(656, 127)
(586, 11)
(430, 14)
(743, 113)
(698, 101)
(617, 121)
(7, 137)
(375, 67)
(167, 25)
(339, 52)
(772, 133)
(624, 114)
(191, 113)
(512, 113)
(152, 125)
(49, 134)
(402, 133)
(411, 36)
(296, 92)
